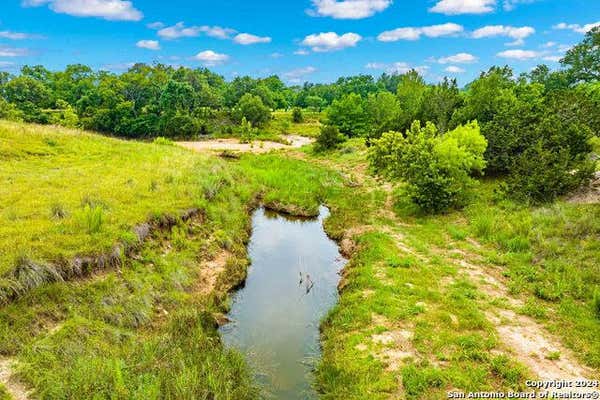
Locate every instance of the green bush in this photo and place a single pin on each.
(349, 115)
(329, 138)
(253, 109)
(297, 116)
(437, 168)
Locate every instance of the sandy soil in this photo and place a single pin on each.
(235, 145)
(15, 389)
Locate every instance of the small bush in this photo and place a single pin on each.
(163, 141)
(58, 211)
(297, 116)
(329, 138)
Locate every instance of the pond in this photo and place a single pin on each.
(291, 285)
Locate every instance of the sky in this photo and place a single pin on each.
(299, 40)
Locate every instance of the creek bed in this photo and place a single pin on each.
(291, 285)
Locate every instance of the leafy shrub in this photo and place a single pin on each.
(297, 116)
(437, 168)
(329, 138)
(253, 109)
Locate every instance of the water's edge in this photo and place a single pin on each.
(290, 287)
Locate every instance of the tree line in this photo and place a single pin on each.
(537, 126)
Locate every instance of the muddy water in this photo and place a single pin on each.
(275, 317)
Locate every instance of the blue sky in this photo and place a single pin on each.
(315, 40)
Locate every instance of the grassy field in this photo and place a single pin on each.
(413, 320)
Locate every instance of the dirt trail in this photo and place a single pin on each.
(255, 147)
(14, 388)
(525, 339)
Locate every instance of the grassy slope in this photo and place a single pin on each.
(404, 278)
(147, 329)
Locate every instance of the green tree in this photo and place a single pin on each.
(439, 103)
(252, 108)
(349, 115)
(410, 93)
(583, 61)
(383, 110)
(436, 168)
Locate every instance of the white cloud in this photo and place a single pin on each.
(148, 44)
(455, 7)
(210, 58)
(297, 74)
(510, 5)
(302, 52)
(330, 41)
(576, 27)
(6, 51)
(519, 54)
(179, 30)
(460, 58)
(16, 35)
(276, 55)
(246, 39)
(348, 9)
(552, 58)
(113, 10)
(547, 45)
(453, 69)
(397, 67)
(519, 34)
(414, 33)
(155, 25)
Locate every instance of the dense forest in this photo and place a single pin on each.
(537, 128)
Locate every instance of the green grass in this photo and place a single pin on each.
(65, 193)
(142, 330)
(282, 123)
(146, 330)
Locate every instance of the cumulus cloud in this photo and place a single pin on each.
(211, 58)
(156, 25)
(455, 7)
(453, 69)
(576, 27)
(302, 52)
(112, 10)
(399, 67)
(519, 54)
(247, 38)
(348, 9)
(415, 33)
(179, 30)
(460, 58)
(510, 5)
(330, 41)
(297, 74)
(519, 34)
(148, 44)
(6, 51)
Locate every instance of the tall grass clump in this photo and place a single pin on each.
(91, 218)
(596, 302)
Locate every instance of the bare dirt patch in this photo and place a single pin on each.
(523, 337)
(588, 195)
(209, 273)
(255, 147)
(12, 385)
